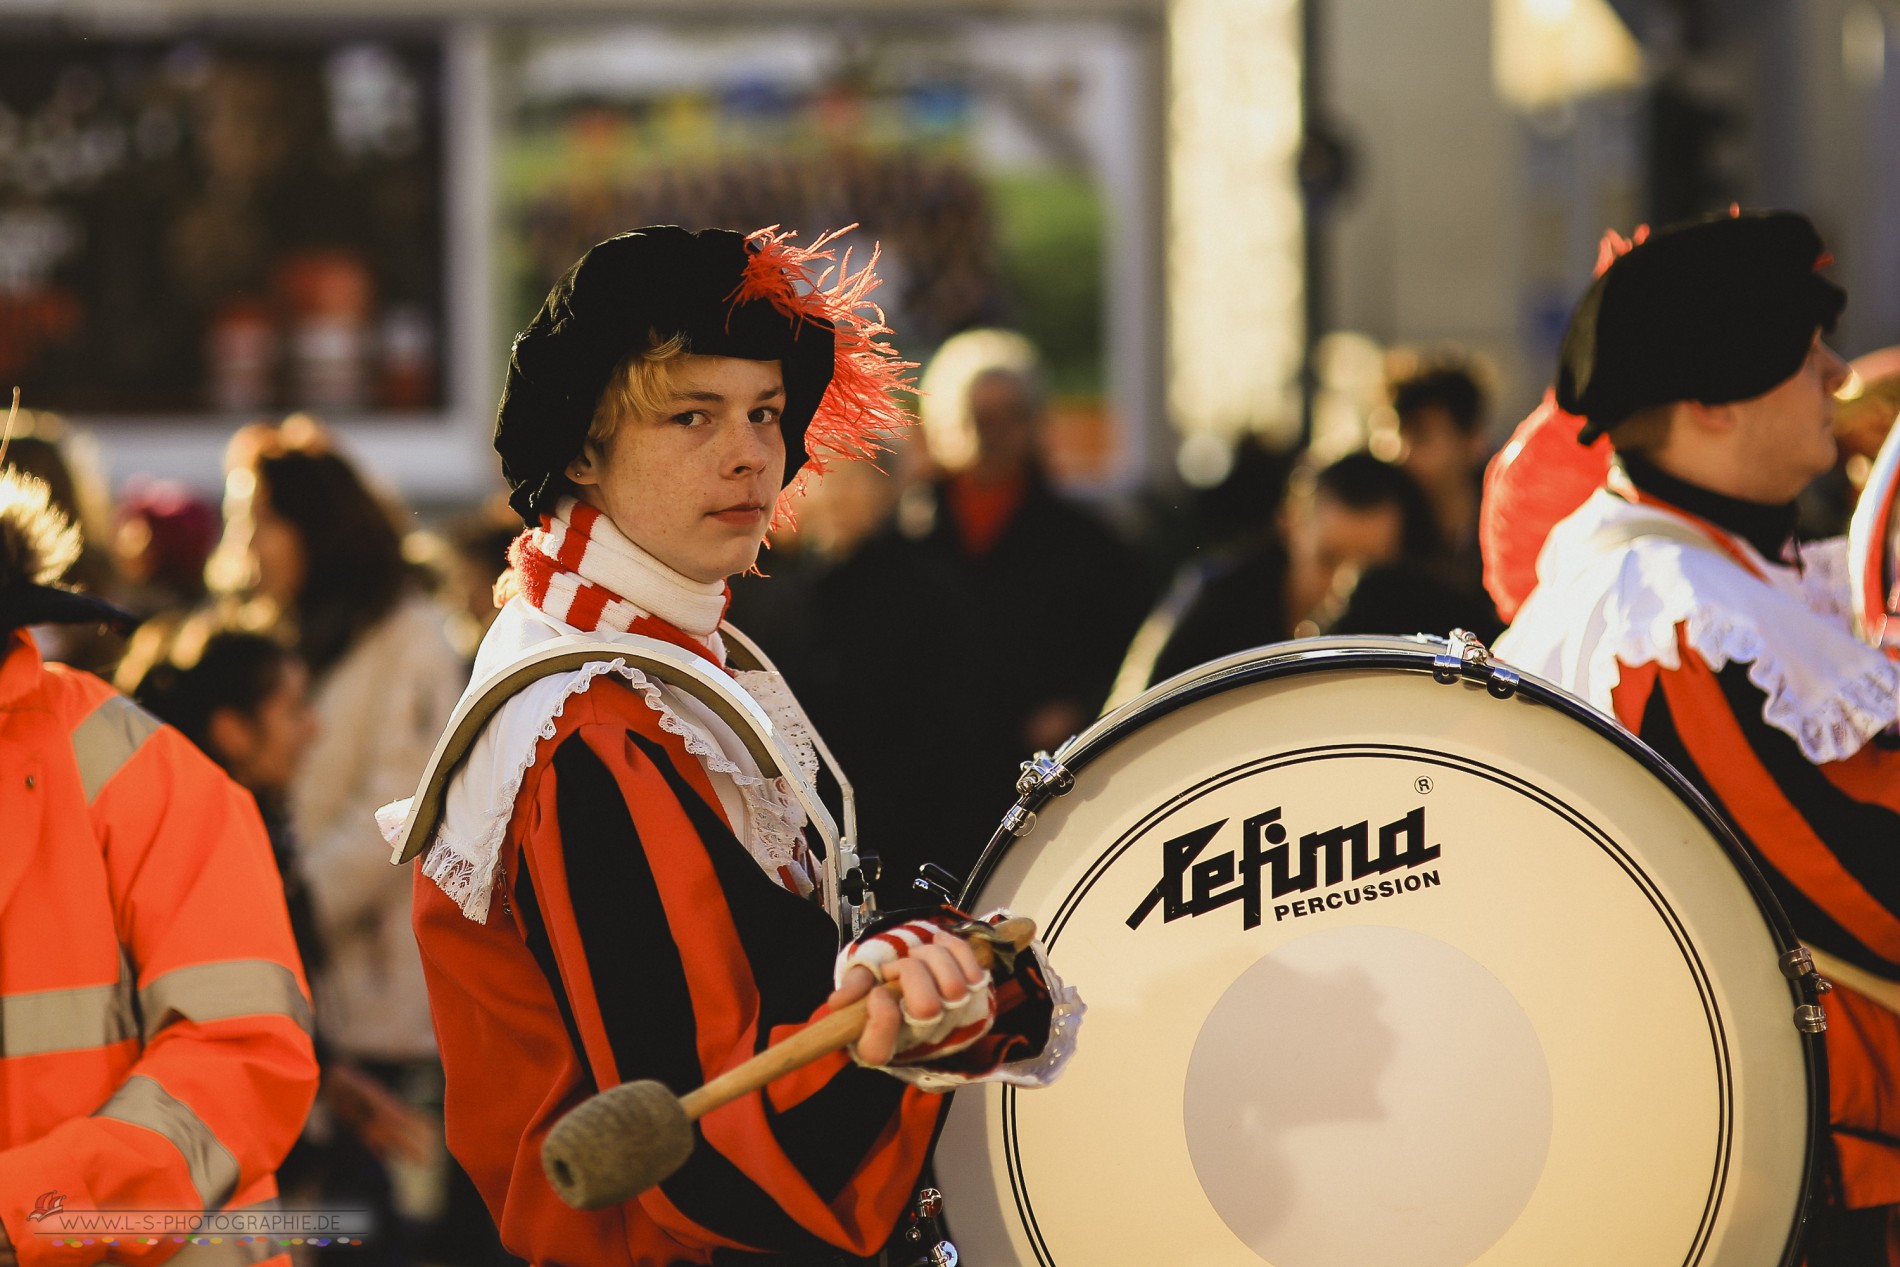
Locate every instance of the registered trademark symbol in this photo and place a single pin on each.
(1424, 784)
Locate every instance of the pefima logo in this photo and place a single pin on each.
(1191, 886)
(48, 1204)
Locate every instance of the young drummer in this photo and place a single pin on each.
(1676, 598)
(615, 891)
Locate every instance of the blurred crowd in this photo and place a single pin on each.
(942, 618)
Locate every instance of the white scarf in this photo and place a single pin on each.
(583, 571)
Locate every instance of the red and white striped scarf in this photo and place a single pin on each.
(580, 569)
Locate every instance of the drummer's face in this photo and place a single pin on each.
(1788, 432)
(694, 484)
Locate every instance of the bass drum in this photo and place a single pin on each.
(1390, 957)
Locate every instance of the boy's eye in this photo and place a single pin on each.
(765, 414)
(690, 417)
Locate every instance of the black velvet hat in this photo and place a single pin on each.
(1714, 311)
(731, 294)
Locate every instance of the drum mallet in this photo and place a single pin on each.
(629, 1138)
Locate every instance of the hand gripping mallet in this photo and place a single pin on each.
(629, 1138)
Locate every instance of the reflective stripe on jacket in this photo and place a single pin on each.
(155, 1050)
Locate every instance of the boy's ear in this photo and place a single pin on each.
(1710, 418)
(585, 468)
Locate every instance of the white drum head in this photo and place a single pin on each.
(1386, 971)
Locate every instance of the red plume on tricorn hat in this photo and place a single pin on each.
(756, 296)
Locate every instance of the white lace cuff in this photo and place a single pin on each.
(1039, 1070)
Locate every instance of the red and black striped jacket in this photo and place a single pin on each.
(636, 937)
(1825, 837)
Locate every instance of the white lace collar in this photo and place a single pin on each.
(479, 802)
(1616, 579)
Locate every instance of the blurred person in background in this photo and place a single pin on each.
(44, 447)
(158, 1052)
(1051, 594)
(1343, 524)
(1443, 446)
(1377, 590)
(459, 563)
(1231, 523)
(477, 554)
(162, 538)
(323, 557)
(243, 699)
(1352, 555)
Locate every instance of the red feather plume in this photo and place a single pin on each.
(1539, 477)
(807, 283)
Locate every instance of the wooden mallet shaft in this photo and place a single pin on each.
(629, 1138)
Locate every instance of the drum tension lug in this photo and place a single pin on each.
(1799, 963)
(924, 1227)
(1042, 775)
(1020, 820)
(1465, 656)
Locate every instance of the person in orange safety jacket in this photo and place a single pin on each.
(155, 1047)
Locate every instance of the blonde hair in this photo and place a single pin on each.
(641, 384)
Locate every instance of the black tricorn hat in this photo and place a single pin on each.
(1716, 310)
(647, 285)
